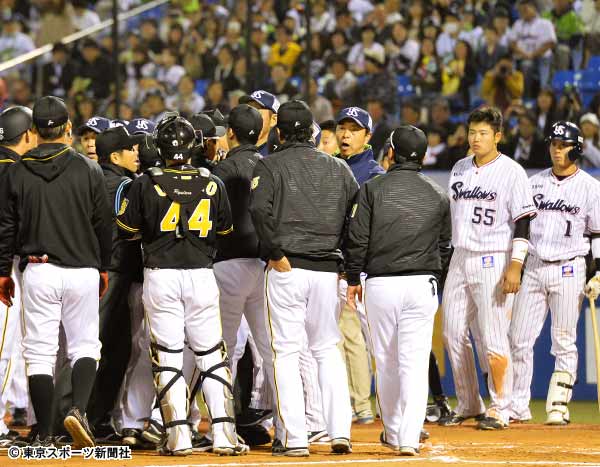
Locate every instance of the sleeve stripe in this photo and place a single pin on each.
(531, 214)
(126, 227)
(225, 232)
(119, 193)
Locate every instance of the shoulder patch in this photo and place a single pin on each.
(254, 182)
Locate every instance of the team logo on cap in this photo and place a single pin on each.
(297, 124)
(559, 130)
(92, 122)
(352, 112)
(257, 94)
(50, 122)
(141, 125)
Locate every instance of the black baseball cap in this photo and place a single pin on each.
(115, 139)
(245, 121)
(50, 112)
(294, 115)
(203, 123)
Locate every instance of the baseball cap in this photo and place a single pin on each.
(115, 139)
(245, 121)
(590, 118)
(95, 124)
(358, 115)
(14, 121)
(263, 98)
(140, 126)
(408, 138)
(294, 115)
(50, 112)
(375, 56)
(216, 116)
(203, 123)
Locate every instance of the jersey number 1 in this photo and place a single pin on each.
(198, 221)
(568, 232)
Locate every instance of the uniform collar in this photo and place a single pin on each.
(7, 155)
(556, 181)
(242, 148)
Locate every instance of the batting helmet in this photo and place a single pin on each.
(569, 133)
(409, 143)
(14, 122)
(174, 137)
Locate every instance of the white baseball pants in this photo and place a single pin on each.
(558, 285)
(400, 312)
(473, 295)
(51, 295)
(298, 302)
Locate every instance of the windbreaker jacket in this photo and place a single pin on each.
(56, 205)
(401, 226)
(300, 202)
(364, 166)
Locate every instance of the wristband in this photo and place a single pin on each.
(519, 250)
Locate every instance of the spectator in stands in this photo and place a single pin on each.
(13, 42)
(491, 50)
(427, 75)
(20, 93)
(402, 51)
(446, 41)
(56, 21)
(436, 146)
(58, 74)
(317, 48)
(233, 38)
(545, 110)
(439, 116)
(416, 14)
(378, 18)
(502, 84)
(224, 71)
(532, 41)
(569, 29)
(319, 105)
(526, 144)
(590, 128)
(322, 21)
(280, 84)
(154, 106)
(339, 46)
(357, 55)
(169, 71)
(382, 124)
(590, 15)
(471, 31)
(328, 143)
(569, 105)
(501, 22)
(340, 84)
(175, 39)
(97, 68)
(83, 17)
(186, 100)
(379, 84)
(215, 97)
(85, 108)
(457, 147)
(258, 39)
(410, 112)
(150, 37)
(284, 51)
(458, 75)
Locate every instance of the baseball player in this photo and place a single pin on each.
(268, 106)
(179, 211)
(403, 270)
(300, 201)
(491, 206)
(568, 203)
(58, 220)
(89, 131)
(16, 138)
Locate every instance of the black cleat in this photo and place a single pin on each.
(491, 423)
(278, 450)
(454, 419)
(255, 435)
(253, 417)
(78, 427)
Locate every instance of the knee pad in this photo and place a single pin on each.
(559, 393)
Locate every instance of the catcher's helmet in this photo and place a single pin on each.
(409, 143)
(174, 137)
(14, 121)
(569, 133)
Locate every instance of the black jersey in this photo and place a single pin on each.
(179, 212)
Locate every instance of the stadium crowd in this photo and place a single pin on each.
(419, 62)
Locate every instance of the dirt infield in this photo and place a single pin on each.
(521, 445)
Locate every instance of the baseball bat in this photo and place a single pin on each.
(596, 346)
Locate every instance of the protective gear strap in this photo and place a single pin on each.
(559, 392)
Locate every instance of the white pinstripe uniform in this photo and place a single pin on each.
(485, 202)
(554, 276)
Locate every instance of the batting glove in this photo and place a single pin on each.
(7, 290)
(592, 289)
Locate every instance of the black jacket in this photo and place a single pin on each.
(236, 173)
(57, 205)
(401, 226)
(126, 254)
(300, 203)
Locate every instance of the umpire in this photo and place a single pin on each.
(300, 202)
(57, 219)
(400, 236)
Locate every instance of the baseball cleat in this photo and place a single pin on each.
(385, 444)
(454, 419)
(132, 437)
(154, 432)
(46, 442)
(491, 423)
(6, 439)
(165, 451)
(237, 450)
(341, 446)
(423, 436)
(556, 418)
(253, 417)
(365, 417)
(408, 451)
(201, 444)
(278, 450)
(314, 436)
(77, 426)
